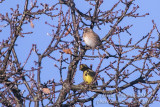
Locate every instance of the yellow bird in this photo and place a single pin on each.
(88, 74)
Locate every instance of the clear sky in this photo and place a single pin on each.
(41, 36)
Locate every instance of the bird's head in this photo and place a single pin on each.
(85, 30)
(83, 67)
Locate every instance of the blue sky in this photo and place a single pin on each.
(141, 26)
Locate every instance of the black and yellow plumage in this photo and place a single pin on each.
(88, 74)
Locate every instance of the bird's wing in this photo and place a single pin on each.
(99, 42)
(91, 73)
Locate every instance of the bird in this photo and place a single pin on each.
(88, 74)
(91, 39)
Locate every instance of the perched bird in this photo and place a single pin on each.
(91, 39)
(88, 74)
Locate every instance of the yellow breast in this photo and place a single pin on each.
(87, 78)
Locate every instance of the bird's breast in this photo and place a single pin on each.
(87, 78)
(89, 41)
